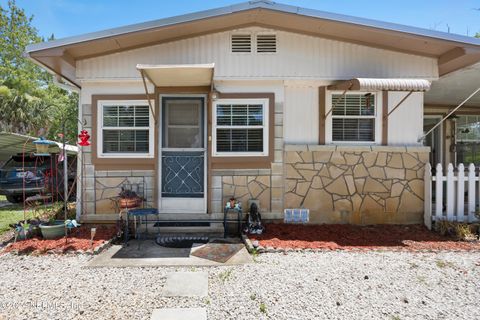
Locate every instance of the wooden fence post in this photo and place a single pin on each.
(460, 193)
(439, 193)
(427, 197)
(450, 193)
(471, 192)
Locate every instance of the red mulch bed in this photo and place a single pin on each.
(350, 237)
(79, 239)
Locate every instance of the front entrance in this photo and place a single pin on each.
(182, 154)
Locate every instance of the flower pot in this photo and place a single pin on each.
(129, 203)
(53, 231)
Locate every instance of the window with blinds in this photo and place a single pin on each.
(353, 117)
(125, 129)
(241, 43)
(240, 128)
(266, 43)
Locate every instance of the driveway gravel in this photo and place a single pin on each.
(297, 285)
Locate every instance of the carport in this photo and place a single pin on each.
(14, 143)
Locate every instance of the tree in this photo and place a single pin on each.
(29, 100)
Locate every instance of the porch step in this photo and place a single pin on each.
(213, 229)
(189, 216)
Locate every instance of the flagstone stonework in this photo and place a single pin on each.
(358, 185)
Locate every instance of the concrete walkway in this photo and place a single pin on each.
(184, 284)
(148, 254)
(187, 284)
(179, 314)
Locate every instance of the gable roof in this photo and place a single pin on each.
(453, 51)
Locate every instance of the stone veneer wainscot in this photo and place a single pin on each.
(356, 184)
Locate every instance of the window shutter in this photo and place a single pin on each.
(241, 43)
(266, 43)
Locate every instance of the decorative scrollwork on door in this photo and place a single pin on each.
(183, 174)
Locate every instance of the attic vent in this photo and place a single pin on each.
(266, 43)
(241, 43)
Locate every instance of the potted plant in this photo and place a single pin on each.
(26, 229)
(53, 229)
(129, 199)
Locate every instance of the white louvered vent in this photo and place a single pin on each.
(266, 43)
(241, 43)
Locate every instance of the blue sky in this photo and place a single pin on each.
(71, 17)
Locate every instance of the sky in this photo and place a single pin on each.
(65, 18)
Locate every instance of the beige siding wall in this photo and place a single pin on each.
(299, 57)
(405, 124)
(301, 113)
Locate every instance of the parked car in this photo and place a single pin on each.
(31, 175)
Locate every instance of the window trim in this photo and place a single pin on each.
(265, 102)
(100, 127)
(377, 117)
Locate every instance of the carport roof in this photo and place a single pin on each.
(13, 143)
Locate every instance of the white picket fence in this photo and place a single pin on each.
(455, 194)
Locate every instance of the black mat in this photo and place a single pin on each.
(181, 224)
(179, 242)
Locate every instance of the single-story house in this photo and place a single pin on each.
(293, 107)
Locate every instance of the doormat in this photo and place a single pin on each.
(179, 242)
(218, 252)
(182, 224)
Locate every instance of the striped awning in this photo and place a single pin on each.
(373, 84)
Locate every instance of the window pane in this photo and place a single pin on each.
(353, 105)
(353, 129)
(239, 140)
(255, 115)
(183, 112)
(125, 141)
(184, 138)
(126, 111)
(142, 121)
(110, 111)
(110, 121)
(183, 123)
(239, 115)
(224, 115)
(126, 122)
(126, 116)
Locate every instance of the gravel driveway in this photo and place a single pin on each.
(323, 285)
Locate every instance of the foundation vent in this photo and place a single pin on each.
(298, 215)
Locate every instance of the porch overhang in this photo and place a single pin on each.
(372, 84)
(184, 75)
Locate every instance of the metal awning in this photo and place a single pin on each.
(13, 143)
(182, 75)
(371, 84)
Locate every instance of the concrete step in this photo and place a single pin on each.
(214, 230)
(189, 216)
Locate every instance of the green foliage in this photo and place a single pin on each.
(30, 103)
(225, 275)
(263, 308)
